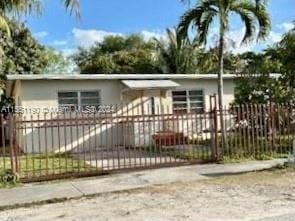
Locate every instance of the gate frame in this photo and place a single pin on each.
(15, 151)
(215, 145)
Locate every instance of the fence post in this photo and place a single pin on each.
(217, 145)
(273, 128)
(11, 143)
(214, 126)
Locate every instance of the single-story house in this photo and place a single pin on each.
(141, 94)
(183, 92)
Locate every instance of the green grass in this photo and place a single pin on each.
(258, 147)
(39, 165)
(240, 149)
(194, 155)
(8, 185)
(265, 156)
(4, 164)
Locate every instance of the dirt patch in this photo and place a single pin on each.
(252, 196)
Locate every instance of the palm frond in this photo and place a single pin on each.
(204, 26)
(260, 2)
(249, 22)
(176, 53)
(199, 18)
(73, 6)
(4, 25)
(260, 15)
(16, 8)
(20, 6)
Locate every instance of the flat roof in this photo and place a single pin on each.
(124, 76)
(118, 77)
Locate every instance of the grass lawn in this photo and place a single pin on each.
(190, 155)
(39, 165)
(8, 185)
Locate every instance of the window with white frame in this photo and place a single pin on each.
(188, 101)
(78, 99)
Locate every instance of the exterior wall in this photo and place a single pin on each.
(63, 138)
(43, 94)
(18, 92)
(209, 87)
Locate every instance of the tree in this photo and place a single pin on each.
(176, 54)
(256, 86)
(22, 54)
(118, 55)
(208, 62)
(286, 50)
(8, 7)
(19, 7)
(202, 16)
(57, 63)
(260, 63)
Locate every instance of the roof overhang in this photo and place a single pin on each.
(120, 77)
(150, 84)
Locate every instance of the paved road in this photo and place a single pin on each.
(128, 181)
(288, 217)
(247, 197)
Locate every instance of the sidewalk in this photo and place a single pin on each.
(63, 190)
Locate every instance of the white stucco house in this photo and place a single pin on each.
(140, 93)
(39, 91)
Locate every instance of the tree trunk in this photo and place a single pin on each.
(220, 88)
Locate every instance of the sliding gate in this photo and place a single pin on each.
(83, 144)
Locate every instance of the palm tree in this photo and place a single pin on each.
(175, 53)
(202, 16)
(9, 7)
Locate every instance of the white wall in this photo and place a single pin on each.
(43, 93)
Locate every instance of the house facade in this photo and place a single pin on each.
(43, 96)
(184, 92)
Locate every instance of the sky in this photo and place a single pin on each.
(99, 18)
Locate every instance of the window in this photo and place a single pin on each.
(77, 99)
(188, 101)
(68, 99)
